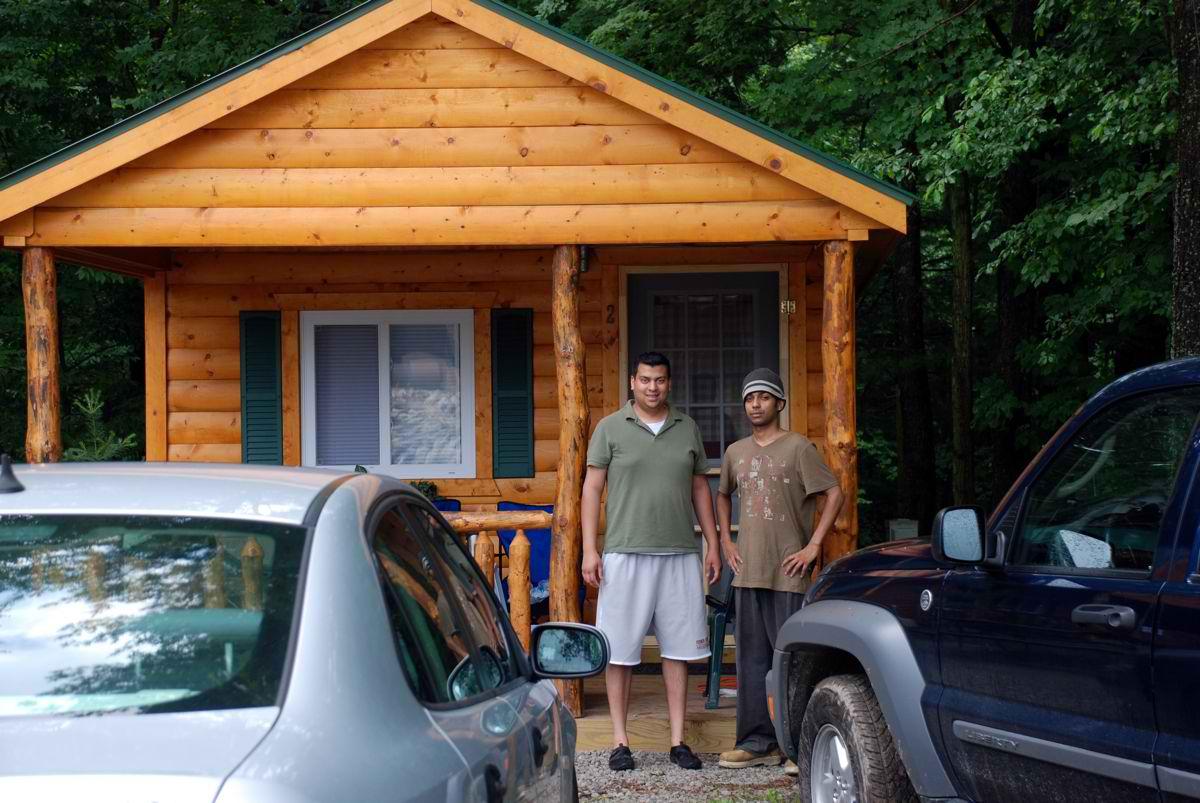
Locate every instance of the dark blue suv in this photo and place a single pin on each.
(1052, 653)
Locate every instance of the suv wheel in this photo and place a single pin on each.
(846, 752)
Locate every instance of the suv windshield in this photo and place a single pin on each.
(143, 614)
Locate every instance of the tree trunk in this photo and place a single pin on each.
(567, 528)
(838, 366)
(1185, 340)
(961, 390)
(1015, 320)
(916, 489)
(1015, 310)
(43, 407)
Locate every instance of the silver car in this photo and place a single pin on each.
(243, 633)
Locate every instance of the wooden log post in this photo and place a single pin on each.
(567, 530)
(214, 580)
(519, 588)
(43, 406)
(93, 575)
(465, 523)
(38, 571)
(252, 570)
(136, 572)
(838, 363)
(485, 556)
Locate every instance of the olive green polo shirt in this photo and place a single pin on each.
(649, 506)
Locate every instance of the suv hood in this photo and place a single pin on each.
(127, 757)
(909, 555)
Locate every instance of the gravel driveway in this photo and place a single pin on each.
(657, 780)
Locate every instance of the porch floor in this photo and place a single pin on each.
(705, 731)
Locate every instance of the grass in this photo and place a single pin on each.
(772, 796)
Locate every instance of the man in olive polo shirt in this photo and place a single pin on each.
(652, 457)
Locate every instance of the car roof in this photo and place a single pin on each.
(1185, 371)
(232, 491)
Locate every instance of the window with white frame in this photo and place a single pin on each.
(392, 391)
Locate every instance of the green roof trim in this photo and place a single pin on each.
(575, 43)
(164, 106)
(698, 100)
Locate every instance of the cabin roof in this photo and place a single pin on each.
(13, 203)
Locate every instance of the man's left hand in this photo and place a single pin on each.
(799, 562)
(712, 566)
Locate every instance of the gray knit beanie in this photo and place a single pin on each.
(763, 379)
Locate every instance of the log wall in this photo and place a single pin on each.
(436, 136)
(207, 289)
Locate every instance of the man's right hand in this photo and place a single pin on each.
(732, 556)
(593, 569)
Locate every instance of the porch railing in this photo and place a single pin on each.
(519, 583)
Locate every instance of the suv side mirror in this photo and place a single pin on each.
(958, 535)
(561, 650)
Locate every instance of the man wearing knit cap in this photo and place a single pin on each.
(778, 476)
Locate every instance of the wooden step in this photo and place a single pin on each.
(648, 727)
(652, 655)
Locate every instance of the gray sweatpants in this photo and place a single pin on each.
(758, 613)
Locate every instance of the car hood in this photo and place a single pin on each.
(127, 757)
(909, 555)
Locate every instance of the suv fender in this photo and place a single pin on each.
(876, 639)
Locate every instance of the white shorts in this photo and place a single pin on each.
(659, 594)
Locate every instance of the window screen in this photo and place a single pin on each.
(709, 339)
(714, 328)
(346, 377)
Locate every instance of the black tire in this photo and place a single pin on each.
(848, 703)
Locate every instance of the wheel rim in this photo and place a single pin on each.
(832, 778)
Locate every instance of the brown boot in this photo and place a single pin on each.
(737, 759)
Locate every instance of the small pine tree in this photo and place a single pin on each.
(100, 443)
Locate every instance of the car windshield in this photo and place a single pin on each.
(143, 614)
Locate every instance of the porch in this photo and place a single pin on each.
(706, 730)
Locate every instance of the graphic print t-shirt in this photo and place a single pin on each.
(776, 486)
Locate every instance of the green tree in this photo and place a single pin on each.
(1058, 118)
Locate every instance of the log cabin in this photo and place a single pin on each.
(427, 237)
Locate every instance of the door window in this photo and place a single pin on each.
(1100, 503)
(481, 615)
(714, 328)
(433, 644)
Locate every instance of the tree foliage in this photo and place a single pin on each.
(1074, 100)
(69, 68)
(1057, 117)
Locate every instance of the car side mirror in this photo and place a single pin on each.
(561, 650)
(469, 679)
(958, 535)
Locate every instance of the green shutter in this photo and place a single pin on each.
(262, 389)
(512, 392)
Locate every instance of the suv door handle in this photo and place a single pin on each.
(1116, 617)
